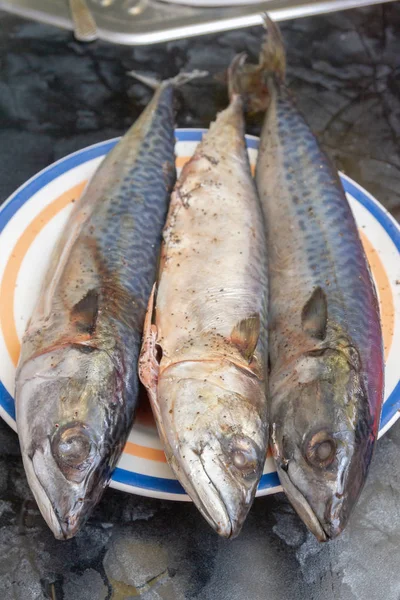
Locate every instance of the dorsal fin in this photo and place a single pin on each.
(245, 335)
(314, 316)
(84, 313)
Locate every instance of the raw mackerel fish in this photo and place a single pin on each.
(204, 355)
(326, 379)
(77, 382)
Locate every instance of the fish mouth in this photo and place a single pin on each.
(68, 527)
(329, 518)
(64, 510)
(219, 498)
(303, 508)
(213, 510)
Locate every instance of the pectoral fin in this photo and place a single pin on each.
(314, 316)
(245, 335)
(149, 366)
(84, 314)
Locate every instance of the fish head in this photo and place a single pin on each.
(322, 437)
(66, 405)
(216, 436)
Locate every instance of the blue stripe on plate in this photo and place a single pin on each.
(7, 401)
(269, 480)
(391, 406)
(172, 486)
(252, 142)
(53, 171)
(147, 482)
(189, 135)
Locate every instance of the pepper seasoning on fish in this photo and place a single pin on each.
(77, 382)
(326, 379)
(204, 353)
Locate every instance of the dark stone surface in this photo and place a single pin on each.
(57, 96)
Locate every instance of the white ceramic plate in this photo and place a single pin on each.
(31, 221)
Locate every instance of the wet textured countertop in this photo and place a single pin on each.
(57, 96)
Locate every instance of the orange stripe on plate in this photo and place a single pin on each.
(7, 290)
(181, 161)
(145, 452)
(385, 293)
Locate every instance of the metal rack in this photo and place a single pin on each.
(138, 22)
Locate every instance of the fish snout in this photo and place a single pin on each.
(72, 520)
(336, 515)
(64, 476)
(223, 499)
(62, 503)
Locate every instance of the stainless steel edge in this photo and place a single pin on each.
(161, 22)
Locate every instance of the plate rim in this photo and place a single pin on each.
(269, 482)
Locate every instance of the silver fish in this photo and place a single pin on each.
(204, 353)
(77, 382)
(326, 379)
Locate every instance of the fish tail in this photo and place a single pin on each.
(176, 81)
(253, 82)
(273, 55)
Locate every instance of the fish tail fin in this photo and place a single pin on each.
(273, 55)
(176, 81)
(253, 82)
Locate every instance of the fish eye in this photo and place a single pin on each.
(240, 460)
(243, 456)
(72, 446)
(321, 449)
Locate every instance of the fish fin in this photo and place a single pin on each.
(176, 81)
(149, 365)
(314, 316)
(253, 82)
(246, 80)
(245, 335)
(84, 314)
(273, 56)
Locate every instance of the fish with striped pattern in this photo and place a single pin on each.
(77, 381)
(326, 353)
